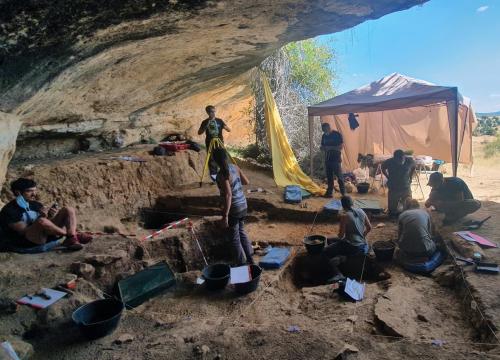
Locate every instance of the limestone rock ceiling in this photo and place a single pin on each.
(127, 61)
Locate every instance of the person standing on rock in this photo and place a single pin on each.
(399, 171)
(212, 127)
(230, 179)
(28, 224)
(331, 144)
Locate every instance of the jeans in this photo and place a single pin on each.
(394, 196)
(236, 235)
(339, 247)
(334, 168)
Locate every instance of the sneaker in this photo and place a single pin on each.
(84, 238)
(213, 177)
(335, 279)
(71, 243)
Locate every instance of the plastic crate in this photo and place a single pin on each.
(146, 284)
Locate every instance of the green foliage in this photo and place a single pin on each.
(252, 151)
(299, 75)
(311, 73)
(492, 148)
(487, 125)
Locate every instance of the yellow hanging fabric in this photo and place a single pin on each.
(286, 169)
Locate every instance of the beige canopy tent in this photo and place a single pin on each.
(398, 112)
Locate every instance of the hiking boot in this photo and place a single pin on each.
(84, 238)
(71, 243)
(335, 279)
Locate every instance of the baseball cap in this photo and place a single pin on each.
(435, 177)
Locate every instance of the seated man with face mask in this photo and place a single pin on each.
(27, 224)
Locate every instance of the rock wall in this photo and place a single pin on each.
(144, 67)
(9, 128)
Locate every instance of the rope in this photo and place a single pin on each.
(462, 274)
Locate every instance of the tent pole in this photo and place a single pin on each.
(383, 140)
(311, 136)
(455, 155)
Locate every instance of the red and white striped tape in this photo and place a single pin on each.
(172, 225)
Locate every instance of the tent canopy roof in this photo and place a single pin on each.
(394, 91)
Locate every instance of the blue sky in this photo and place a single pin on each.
(447, 42)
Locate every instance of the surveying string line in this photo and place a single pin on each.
(462, 274)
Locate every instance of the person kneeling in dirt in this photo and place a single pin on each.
(354, 226)
(27, 223)
(415, 242)
(230, 179)
(452, 197)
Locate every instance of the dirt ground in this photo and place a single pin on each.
(404, 317)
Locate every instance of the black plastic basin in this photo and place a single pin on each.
(314, 244)
(248, 287)
(98, 318)
(216, 276)
(363, 187)
(384, 250)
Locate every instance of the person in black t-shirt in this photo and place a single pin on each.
(451, 196)
(26, 223)
(212, 127)
(399, 171)
(331, 144)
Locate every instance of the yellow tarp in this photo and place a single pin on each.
(286, 169)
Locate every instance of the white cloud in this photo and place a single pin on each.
(495, 95)
(482, 8)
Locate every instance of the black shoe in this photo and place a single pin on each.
(328, 195)
(335, 279)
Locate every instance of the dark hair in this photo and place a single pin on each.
(346, 202)
(411, 204)
(209, 107)
(220, 157)
(21, 184)
(324, 125)
(399, 153)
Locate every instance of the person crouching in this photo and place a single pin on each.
(230, 179)
(351, 241)
(415, 241)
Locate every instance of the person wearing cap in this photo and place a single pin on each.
(451, 196)
(27, 223)
(399, 171)
(331, 144)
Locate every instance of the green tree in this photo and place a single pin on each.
(311, 70)
(299, 74)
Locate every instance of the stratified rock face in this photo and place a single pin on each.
(146, 67)
(9, 127)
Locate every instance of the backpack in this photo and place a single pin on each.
(293, 194)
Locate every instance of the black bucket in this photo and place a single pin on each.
(314, 244)
(216, 276)
(384, 250)
(248, 287)
(98, 318)
(363, 187)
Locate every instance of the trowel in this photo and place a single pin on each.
(475, 224)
